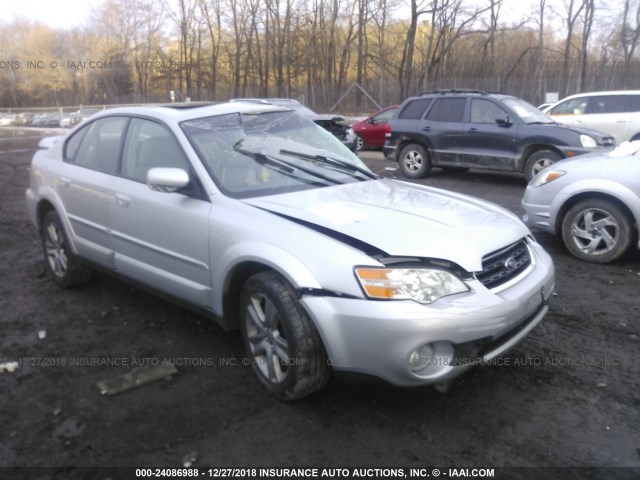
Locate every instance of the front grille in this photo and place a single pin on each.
(502, 265)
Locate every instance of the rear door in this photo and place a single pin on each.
(608, 113)
(444, 128)
(374, 131)
(91, 157)
(160, 239)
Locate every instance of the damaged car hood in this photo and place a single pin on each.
(404, 219)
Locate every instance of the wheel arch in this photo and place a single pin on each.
(634, 137)
(534, 148)
(404, 141)
(233, 290)
(44, 206)
(239, 271)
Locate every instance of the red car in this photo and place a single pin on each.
(370, 131)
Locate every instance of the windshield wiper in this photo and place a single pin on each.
(283, 166)
(341, 164)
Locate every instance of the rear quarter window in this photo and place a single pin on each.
(634, 103)
(447, 110)
(606, 104)
(415, 109)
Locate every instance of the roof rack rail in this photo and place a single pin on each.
(453, 90)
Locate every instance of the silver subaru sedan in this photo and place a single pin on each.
(266, 222)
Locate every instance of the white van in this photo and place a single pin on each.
(616, 113)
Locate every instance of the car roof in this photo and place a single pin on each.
(462, 92)
(611, 92)
(175, 113)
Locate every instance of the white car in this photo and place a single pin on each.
(616, 113)
(6, 120)
(268, 223)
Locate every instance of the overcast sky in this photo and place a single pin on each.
(59, 14)
(73, 13)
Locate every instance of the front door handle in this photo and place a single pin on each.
(64, 182)
(123, 200)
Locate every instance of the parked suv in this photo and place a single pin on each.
(617, 113)
(460, 129)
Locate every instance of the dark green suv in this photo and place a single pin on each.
(462, 129)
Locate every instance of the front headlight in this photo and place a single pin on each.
(588, 142)
(424, 285)
(545, 177)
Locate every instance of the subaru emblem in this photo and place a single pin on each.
(510, 264)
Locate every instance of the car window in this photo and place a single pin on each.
(415, 110)
(633, 102)
(606, 104)
(271, 152)
(73, 143)
(574, 106)
(384, 117)
(447, 110)
(99, 147)
(150, 145)
(484, 111)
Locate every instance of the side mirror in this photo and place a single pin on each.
(167, 179)
(503, 121)
(371, 121)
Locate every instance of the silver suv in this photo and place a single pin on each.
(266, 222)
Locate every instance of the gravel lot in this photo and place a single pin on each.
(568, 396)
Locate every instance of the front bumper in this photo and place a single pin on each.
(541, 205)
(377, 337)
(569, 152)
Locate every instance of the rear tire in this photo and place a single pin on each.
(360, 145)
(282, 343)
(64, 267)
(415, 161)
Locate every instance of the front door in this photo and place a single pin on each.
(160, 238)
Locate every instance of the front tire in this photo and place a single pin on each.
(415, 161)
(62, 264)
(538, 161)
(282, 343)
(596, 230)
(360, 145)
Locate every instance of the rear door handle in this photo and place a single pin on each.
(123, 200)
(472, 130)
(426, 129)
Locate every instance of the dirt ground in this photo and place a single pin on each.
(568, 396)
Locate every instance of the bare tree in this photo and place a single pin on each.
(212, 16)
(572, 10)
(589, 10)
(629, 35)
